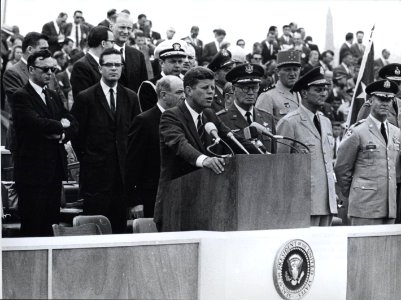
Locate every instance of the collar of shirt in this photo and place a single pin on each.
(38, 90)
(24, 60)
(348, 44)
(217, 45)
(379, 123)
(311, 115)
(243, 111)
(193, 113)
(94, 57)
(160, 107)
(68, 73)
(385, 61)
(345, 67)
(119, 49)
(106, 91)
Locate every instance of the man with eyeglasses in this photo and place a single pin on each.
(245, 81)
(309, 126)
(85, 72)
(104, 112)
(280, 100)
(77, 31)
(42, 126)
(221, 64)
(368, 159)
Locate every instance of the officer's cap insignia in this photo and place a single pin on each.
(176, 46)
(397, 71)
(349, 132)
(224, 52)
(249, 69)
(387, 84)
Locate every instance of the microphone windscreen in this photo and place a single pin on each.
(209, 126)
(254, 132)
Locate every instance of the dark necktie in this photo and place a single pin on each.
(76, 36)
(248, 117)
(383, 131)
(317, 124)
(122, 54)
(112, 101)
(335, 148)
(46, 97)
(200, 128)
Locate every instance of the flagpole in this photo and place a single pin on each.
(360, 74)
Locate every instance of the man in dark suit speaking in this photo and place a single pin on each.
(183, 140)
(42, 126)
(104, 112)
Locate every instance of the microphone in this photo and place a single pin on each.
(251, 133)
(231, 136)
(262, 130)
(211, 129)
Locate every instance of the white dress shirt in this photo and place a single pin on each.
(38, 90)
(106, 91)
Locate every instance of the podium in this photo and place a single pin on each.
(254, 192)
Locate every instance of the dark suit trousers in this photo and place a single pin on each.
(39, 208)
(109, 203)
(148, 198)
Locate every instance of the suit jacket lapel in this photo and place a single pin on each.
(120, 101)
(103, 101)
(191, 126)
(92, 62)
(37, 99)
(308, 123)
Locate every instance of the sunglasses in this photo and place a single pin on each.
(46, 69)
(110, 65)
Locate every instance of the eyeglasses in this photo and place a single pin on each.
(110, 65)
(78, 17)
(246, 89)
(46, 69)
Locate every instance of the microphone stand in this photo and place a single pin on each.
(208, 148)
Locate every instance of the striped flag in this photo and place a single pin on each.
(365, 76)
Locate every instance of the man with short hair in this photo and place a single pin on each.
(242, 113)
(280, 100)
(111, 18)
(143, 158)
(42, 126)
(171, 55)
(327, 59)
(358, 48)
(300, 46)
(346, 66)
(367, 161)
(193, 40)
(221, 64)
(66, 47)
(346, 47)
(285, 41)
(104, 113)
(77, 31)
(141, 22)
(270, 48)
(381, 62)
(134, 70)
(211, 49)
(53, 30)
(85, 72)
(308, 125)
(153, 36)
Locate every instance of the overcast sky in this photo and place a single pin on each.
(247, 19)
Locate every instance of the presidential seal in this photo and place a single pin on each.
(294, 269)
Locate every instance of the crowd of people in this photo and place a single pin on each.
(134, 106)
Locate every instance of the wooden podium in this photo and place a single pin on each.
(254, 192)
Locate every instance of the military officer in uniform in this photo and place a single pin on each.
(280, 100)
(309, 126)
(367, 158)
(245, 80)
(393, 73)
(222, 63)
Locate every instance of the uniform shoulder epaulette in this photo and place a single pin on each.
(268, 88)
(220, 112)
(361, 121)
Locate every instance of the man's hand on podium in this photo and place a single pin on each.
(216, 164)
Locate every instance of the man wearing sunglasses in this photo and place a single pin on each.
(104, 112)
(77, 31)
(42, 126)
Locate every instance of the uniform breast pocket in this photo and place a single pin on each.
(284, 111)
(369, 156)
(310, 144)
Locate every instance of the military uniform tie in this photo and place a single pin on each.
(383, 131)
(248, 117)
(317, 124)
